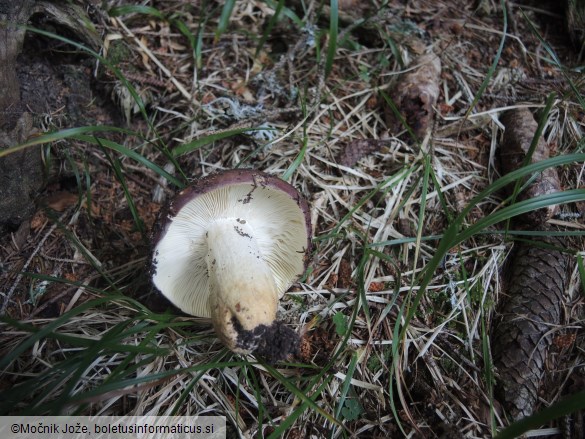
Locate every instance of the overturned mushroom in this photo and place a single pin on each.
(229, 248)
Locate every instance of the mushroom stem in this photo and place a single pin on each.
(243, 292)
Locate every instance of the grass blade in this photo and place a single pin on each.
(198, 143)
(224, 19)
(567, 406)
(452, 237)
(268, 31)
(570, 196)
(494, 65)
(118, 11)
(118, 172)
(333, 34)
(133, 155)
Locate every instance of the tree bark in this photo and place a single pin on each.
(21, 173)
(12, 15)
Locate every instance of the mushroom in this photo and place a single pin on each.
(228, 249)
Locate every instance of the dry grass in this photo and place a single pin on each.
(378, 359)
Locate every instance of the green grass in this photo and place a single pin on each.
(333, 33)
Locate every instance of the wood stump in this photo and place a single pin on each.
(27, 88)
(21, 172)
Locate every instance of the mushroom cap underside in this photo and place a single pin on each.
(271, 208)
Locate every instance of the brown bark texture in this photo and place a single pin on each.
(20, 172)
(12, 14)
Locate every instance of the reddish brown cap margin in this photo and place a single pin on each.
(223, 178)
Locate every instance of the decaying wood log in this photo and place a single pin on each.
(12, 16)
(21, 172)
(71, 16)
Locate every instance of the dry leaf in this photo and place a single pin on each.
(415, 95)
(60, 201)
